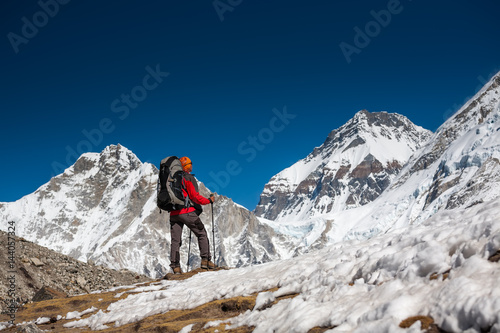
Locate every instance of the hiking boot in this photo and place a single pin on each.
(207, 264)
(177, 270)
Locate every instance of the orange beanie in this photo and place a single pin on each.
(186, 163)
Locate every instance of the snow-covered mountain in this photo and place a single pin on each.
(376, 173)
(354, 165)
(457, 167)
(103, 208)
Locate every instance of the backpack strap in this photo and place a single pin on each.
(187, 201)
(170, 160)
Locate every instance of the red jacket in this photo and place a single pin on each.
(193, 195)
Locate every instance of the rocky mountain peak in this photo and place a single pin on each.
(372, 125)
(381, 118)
(114, 158)
(120, 154)
(351, 168)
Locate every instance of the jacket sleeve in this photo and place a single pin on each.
(195, 196)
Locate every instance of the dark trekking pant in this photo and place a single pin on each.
(193, 222)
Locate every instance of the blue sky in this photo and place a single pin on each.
(244, 88)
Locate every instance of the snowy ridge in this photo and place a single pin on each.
(459, 166)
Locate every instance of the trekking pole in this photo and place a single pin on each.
(189, 250)
(213, 228)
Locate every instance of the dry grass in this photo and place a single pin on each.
(61, 306)
(425, 321)
(172, 321)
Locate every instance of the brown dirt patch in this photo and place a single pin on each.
(444, 276)
(187, 275)
(495, 257)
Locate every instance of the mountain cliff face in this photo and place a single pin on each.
(103, 208)
(354, 165)
(460, 164)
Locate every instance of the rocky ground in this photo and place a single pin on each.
(36, 267)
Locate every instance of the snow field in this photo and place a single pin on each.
(354, 286)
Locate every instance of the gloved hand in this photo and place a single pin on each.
(212, 198)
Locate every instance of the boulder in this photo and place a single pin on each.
(46, 293)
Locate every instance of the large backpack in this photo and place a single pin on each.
(169, 194)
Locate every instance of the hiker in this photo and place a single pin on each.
(189, 217)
